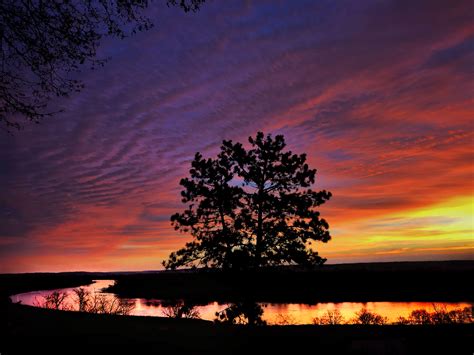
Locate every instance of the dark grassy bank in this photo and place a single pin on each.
(33, 330)
(27, 330)
(410, 281)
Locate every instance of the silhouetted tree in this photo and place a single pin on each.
(440, 315)
(82, 298)
(55, 300)
(284, 319)
(180, 309)
(330, 318)
(84, 301)
(363, 316)
(43, 42)
(250, 208)
(244, 313)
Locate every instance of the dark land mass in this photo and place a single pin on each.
(40, 331)
(403, 281)
(26, 330)
(434, 281)
(11, 284)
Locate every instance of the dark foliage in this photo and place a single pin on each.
(180, 309)
(187, 5)
(366, 317)
(43, 43)
(439, 315)
(243, 313)
(51, 332)
(250, 208)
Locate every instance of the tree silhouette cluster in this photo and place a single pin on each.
(43, 43)
(440, 315)
(250, 208)
(85, 301)
(180, 309)
(242, 313)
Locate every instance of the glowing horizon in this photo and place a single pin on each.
(379, 96)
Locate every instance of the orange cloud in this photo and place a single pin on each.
(379, 96)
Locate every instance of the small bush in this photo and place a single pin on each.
(248, 313)
(440, 315)
(284, 319)
(369, 318)
(180, 310)
(84, 301)
(55, 300)
(330, 318)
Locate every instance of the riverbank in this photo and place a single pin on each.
(410, 281)
(27, 328)
(54, 332)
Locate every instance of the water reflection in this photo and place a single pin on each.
(36, 297)
(288, 313)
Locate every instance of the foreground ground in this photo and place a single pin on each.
(32, 330)
(54, 332)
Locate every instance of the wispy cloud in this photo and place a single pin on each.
(379, 94)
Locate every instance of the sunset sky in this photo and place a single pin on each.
(379, 94)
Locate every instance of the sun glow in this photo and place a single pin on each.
(443, 229)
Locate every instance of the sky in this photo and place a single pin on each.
(379, 94)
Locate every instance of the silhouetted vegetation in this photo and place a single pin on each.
(247, 312)
(82, 298)
(52, 332)
(43, 43)
(180, 309)
(284, 319)
(85, 301)
(330, 318)
(369, 318)
(250, 208)
(243, 313)
(55, 300)
(440, 315)
(117, 334)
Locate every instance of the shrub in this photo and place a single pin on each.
(248, 313)
(330, 318)
(180, 310)
(369, 318)
(440, 315)
(55, 300)
(284, 319)
(84, 301)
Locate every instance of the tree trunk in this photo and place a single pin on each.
(227, 241)
(258, 246)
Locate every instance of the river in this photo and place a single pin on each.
(274, 313)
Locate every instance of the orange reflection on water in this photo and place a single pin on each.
(304, 313)
(292, 313)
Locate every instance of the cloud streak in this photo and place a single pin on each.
(377, 93)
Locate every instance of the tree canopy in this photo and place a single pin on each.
(43, 43)
(250, 208)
